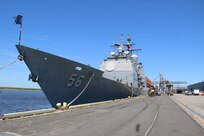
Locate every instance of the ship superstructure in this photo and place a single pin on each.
(123, 66)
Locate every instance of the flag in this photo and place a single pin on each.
(18, 19)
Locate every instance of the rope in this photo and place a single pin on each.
(82, 90)
(8, 64)
(132, 92)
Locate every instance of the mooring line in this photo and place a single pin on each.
(82, 90)
(7, 65)
(132, 92)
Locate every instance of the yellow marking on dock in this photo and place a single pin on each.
(199, 119)
(200, 110)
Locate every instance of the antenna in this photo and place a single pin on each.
(121, 36)
(19, 41)
(136, 50)
(129, 38)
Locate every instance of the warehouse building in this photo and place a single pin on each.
(199, 86)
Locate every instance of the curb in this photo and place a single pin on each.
(26, 114)
(192, 113)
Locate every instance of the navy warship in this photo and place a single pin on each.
(62, 80)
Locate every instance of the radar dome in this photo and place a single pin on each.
(134, 56)
(120, 49)
(112, 53)
(126, 52)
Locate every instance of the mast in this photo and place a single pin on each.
(18, 21)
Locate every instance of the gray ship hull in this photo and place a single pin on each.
(64, 80)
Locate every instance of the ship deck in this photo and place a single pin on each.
(158, 116)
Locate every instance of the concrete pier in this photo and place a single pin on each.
(192, 105)
(142, 116)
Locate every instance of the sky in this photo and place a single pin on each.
(169, 32)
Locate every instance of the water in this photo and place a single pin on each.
(18, 101)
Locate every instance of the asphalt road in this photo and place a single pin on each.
(130, 117)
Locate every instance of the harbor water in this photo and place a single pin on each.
(17, 101)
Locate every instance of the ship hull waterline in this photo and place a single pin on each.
(64, 80)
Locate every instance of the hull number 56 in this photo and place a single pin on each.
(75, 80)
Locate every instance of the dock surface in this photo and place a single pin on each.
(147, 116)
